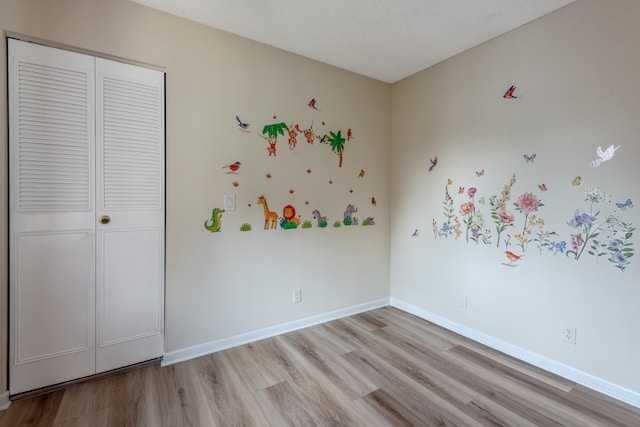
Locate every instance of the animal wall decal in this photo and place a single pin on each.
(232, 168)
(434, 162)
(214, 224)
(604, 156)
(272, 131)
(349, 219)
(335, 139)
(270, 217)
(510, 93)
(242, 126)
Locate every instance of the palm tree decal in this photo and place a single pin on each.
(337, 144)
(272, 132)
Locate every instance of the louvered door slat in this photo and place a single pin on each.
(54, 138)
(132, 174)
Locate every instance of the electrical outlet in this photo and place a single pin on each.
(569, 334)
(297, 296)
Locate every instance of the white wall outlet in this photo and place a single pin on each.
(569, 334)
(297, 296)
(230, 202)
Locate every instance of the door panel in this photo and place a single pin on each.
(54, 299)
(53, 311)
(130, 315)
(130, 191)
(52, 243)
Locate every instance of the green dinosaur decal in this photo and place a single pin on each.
(215, 223)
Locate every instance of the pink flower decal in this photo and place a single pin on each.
(528, 203)
(466, 208)
(576, 242)
(472, 191)
(506, 217)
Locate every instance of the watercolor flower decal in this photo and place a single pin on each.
(502, 218)
(527, 204)
(585, 223)
(616, 243)
(519, 223)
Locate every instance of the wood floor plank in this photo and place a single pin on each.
(230, 400)
(132, 401)
(511, 388)
(181, 398)
(334, 367)
(380, 368)
(259, 364)
(422, 402)
(323, 337)
(385, 410)
(83, 399)
(35, 411)
(610, 409)
(488, 412)
(329, 405)
(282, 406)
(94, 419)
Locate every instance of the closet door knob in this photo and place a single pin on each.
(105, 219)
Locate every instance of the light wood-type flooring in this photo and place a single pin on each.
(380, 368)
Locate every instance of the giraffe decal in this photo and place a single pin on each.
(270, 217)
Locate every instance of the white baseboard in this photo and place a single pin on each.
(214, 346)
(547, 364)
(4, 401)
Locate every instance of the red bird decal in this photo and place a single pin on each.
(509, 94)
(312, 104)
(512, 259)
(233, 167)
(434, 162)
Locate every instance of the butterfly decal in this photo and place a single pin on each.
(449, 181)
(460, 190)
(510, 93)
(626, 205)
(434, 162)
(529, 159)
(542, 187)
(480, 173)
(576, 181)
(605, 155)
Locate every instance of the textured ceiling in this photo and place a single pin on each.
(387, 40)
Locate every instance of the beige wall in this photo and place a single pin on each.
(229, 283)
(577, 71)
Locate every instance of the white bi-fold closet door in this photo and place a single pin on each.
(86, 196)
